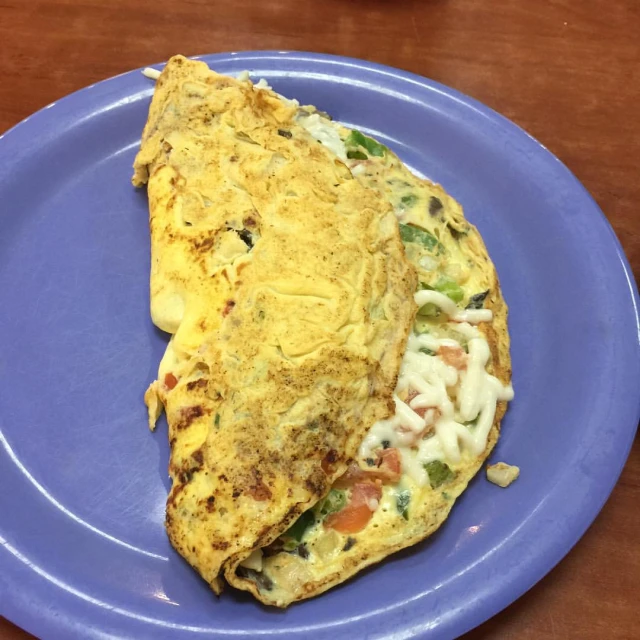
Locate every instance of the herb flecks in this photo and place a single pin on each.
(349, 543)
(435, 206)
(438, 472)
(402, 503)
(409, 201)
(476, 301)
(297, 530)
(356, 139)
(410, 233)
(450, 288)
(335, 501)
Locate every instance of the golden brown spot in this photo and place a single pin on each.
(188, 415)
(329, 461)
(220, 545)
(197, 384)
(314, 487)
(175, 492)
(203, 245)
(258, 490)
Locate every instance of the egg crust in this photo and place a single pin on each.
(288, 296)
(332, 558)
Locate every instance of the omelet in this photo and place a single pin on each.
(284, 284)
(451, 395)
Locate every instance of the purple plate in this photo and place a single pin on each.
(83, 550)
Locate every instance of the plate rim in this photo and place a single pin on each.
(17, 610)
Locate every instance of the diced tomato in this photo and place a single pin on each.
(170, 380)
(353, 474)
(389, 466)
(363, 492)
(453, 356)
(350, 520)
(355, 516)
(434, 416)
(421, 411)
(411, 395)
(387, 469)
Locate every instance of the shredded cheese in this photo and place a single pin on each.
(326, 132)
(472, 316)
(450, 410)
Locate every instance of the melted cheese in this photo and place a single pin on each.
(451, 410)
(449, 307)
(326, 132)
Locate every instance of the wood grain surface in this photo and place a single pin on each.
(566, 71)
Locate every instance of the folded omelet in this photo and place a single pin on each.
(284, 284)
(451, 394)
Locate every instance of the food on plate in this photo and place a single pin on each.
(451, 394)
(289, 484)
(284, 284)
(502, 474)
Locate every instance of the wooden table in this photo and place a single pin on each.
(566, 71)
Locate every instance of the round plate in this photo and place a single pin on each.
(83, 549)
